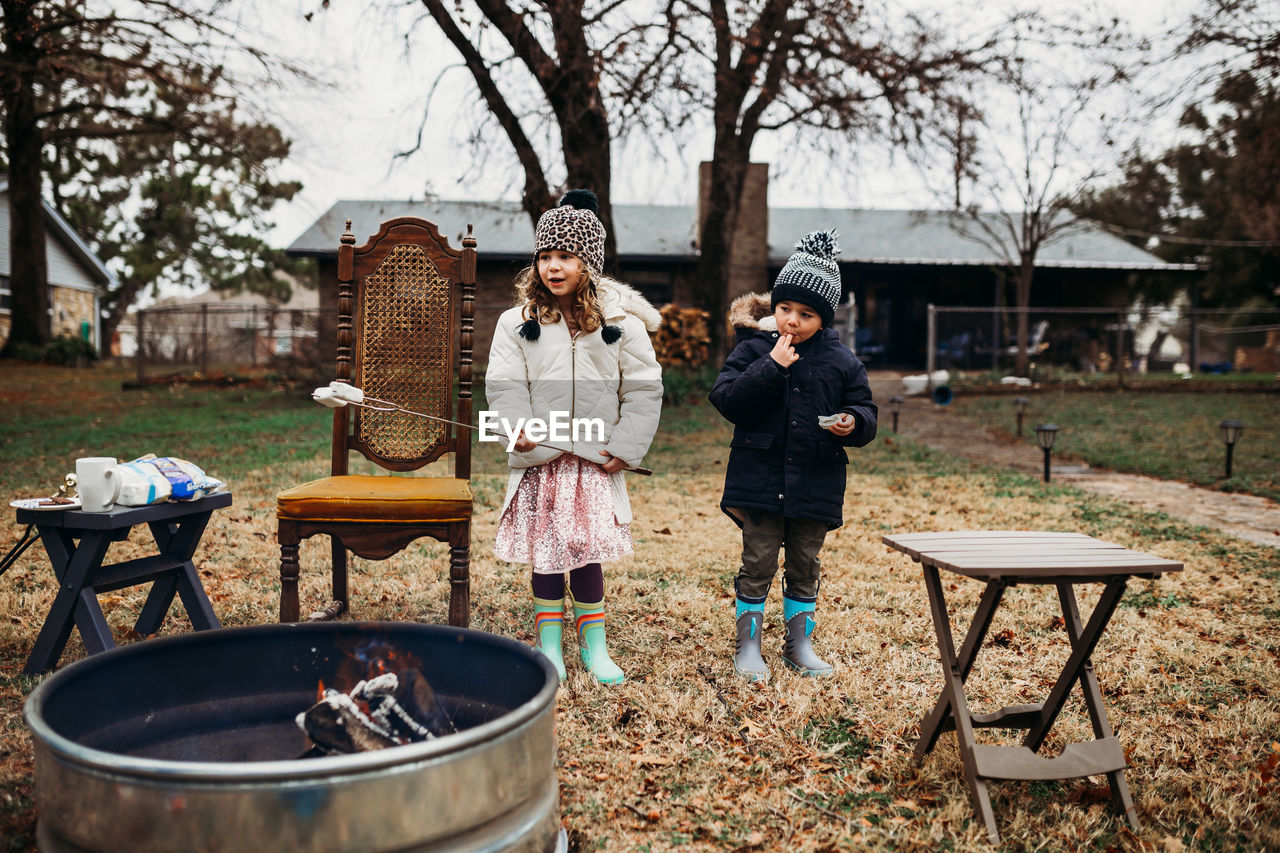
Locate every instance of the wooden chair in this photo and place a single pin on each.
(404, 333)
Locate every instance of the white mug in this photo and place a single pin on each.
(98, 489)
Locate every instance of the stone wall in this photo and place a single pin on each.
(71, 308)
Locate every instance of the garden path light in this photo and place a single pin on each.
(1045, 436)
(1021, 404)
(896, 403)
(1231, 432)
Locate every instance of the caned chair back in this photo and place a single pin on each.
(405, 307)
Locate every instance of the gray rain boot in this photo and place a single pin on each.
(746, 659)
(797, 651)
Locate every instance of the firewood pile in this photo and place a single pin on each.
(684, 337)
(389, 710)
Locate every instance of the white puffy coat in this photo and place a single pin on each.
(619, 383)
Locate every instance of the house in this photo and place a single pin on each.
(77, 278)
(223, 329)
(895, 263)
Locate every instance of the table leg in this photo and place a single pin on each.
(95, 633)
(953, 692)
(1120, 796)
(75, 603)
(931, 727)
(156, 607)
(178, 540)
(1081, 649)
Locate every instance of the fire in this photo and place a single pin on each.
(369, 659)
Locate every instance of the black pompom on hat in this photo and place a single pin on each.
(573, 226)
(811, 275)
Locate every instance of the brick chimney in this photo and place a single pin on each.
(749, 256)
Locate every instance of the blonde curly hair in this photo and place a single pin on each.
(540, 303)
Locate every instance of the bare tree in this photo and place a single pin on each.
(1028, 160)
(584, 59)
(823, 71)
(1246, 31)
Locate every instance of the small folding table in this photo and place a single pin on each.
(1003, 559)
(176, 528)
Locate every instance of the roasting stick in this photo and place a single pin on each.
(340, 394)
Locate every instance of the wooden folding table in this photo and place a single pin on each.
(1003, 559)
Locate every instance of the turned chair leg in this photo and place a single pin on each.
(340, 602)
(460, 578)
(289, 582)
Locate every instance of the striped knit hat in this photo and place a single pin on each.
(811, 275)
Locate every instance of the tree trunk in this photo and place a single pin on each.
(589, 166)
(28, 262)
(719, 221)
(1026, 271)
(572, 88)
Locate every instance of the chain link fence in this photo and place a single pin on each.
(221, 340)
(1089, 340)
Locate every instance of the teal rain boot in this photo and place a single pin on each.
(797, 618)
(746, 658)
(548, 627)
(595, 654)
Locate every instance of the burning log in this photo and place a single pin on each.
(389, 710)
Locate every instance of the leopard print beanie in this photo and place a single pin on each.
(574, 226)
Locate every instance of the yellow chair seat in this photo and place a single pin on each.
(366, 498)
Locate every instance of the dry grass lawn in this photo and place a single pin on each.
(685, 755)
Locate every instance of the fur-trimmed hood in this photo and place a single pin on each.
(617, 300)
(753, 311)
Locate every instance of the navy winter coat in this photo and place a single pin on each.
(780, 460)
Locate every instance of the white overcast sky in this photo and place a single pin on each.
(344, 136)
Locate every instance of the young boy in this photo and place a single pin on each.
(784, 485)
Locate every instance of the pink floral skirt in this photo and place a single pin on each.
(561, 518)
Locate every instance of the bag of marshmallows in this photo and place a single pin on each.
(155, 479)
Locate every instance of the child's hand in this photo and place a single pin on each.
(524, 445)
(845, 425)
(783, 353)
(614, 465)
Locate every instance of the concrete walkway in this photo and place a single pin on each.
(1248, 517)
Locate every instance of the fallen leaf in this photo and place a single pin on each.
(652, 760)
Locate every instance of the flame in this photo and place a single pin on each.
(370, 658)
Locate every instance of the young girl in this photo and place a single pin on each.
(576, 347)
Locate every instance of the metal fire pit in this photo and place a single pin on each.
(189, 743)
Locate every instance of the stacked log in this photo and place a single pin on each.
(392, 709)
(684, 338)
